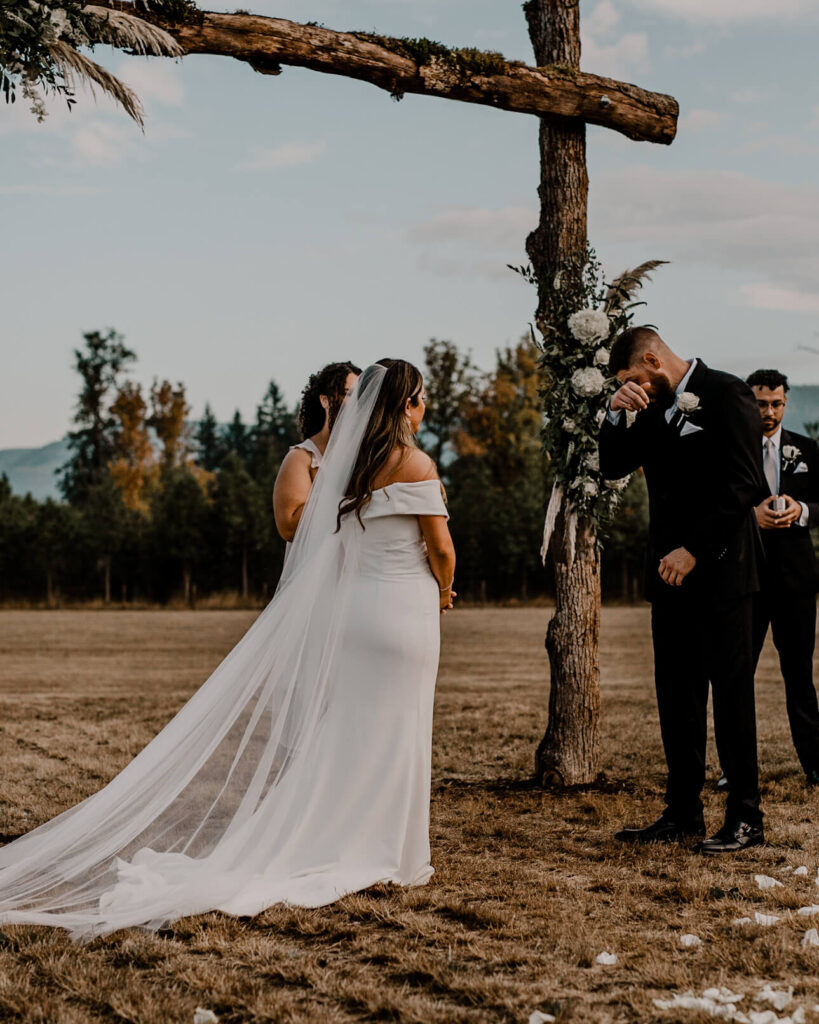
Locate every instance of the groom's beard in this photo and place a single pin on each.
(662, 393)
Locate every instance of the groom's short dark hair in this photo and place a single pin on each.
(772, 379)
(629, 346)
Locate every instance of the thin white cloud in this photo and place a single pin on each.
(602, 20)
(762, 230)
(103, 143)
(287, 154)
(603, 52)
(780, 298)
(686, 50)
(784, 145)
(750, 94)
(626, 56)
(503, 229)
(700, 120)
(153, 79)
(726, 12)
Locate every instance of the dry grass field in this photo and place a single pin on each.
(529, 887)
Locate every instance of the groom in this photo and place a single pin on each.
(698, 436)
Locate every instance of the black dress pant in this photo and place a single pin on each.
(698, 641)
(792, 617)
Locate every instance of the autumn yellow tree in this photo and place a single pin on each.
(134, 467)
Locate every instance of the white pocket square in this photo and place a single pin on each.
(801, 468)
(689, 428)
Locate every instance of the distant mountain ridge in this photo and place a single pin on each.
(33, 470)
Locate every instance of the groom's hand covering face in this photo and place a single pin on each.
(643, 382)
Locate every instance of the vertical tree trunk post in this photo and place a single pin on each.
(107, 570)
(244, 573)
(568, 754)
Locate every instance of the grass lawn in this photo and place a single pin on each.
(529, 887)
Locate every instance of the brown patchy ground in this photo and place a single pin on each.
(529, 887)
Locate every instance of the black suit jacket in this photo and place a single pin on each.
(704, 478)
(790, 563)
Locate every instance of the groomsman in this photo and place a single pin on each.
(698, 436)
(787, 600)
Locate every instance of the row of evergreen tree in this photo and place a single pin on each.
(156, 508)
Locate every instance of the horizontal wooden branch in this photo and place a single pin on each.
(416, 66)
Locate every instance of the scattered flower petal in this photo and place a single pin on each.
(765, 919)
(778, 998)
(766, 882)
(608, 959)
(801, 870)
(808, 911)
(689, 941)
(203, 1016)
(742, 920)
(538, 1017)
(810, 938)
(723, 995)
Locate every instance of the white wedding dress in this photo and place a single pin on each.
(300, 771)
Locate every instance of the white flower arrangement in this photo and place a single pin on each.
(587, 382)
(790, 454)
(583, 315)
(688, 402)
(589, 326)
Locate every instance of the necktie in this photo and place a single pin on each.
(769, 465)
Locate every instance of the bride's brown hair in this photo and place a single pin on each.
(388, 428)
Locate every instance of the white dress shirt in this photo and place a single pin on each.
(776, 441)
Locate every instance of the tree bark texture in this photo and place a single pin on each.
(569, 752)
(556, 88)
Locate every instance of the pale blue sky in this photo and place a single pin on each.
(263, 226)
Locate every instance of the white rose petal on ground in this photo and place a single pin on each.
(203, 1016)
(763, 1017)
(723, 995)
(742, 920)
(766, 882)
(607, 959)
(690, 941)
(589, 325)
(801, 870)
(778, 998)
(766, 920)
(810, 938)
(538, 1017)
(808, 911)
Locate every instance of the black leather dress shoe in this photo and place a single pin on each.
(664, 830)
(722, 784)
(732, 837)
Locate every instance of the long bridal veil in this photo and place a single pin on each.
(212, 799)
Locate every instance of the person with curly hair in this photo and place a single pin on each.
(320, 405)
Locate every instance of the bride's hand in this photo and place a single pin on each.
(447, 598)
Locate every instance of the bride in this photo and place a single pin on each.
(300, 770)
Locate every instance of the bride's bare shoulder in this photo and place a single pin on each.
(413, 467)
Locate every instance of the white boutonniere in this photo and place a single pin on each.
(688, 402)
(790, 455)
